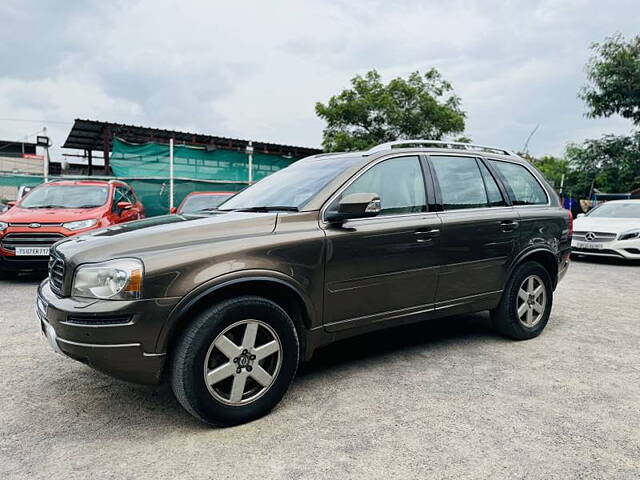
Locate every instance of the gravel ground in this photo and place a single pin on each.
(443, 399)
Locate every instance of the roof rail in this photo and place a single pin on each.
(438, 144)
(326, 154)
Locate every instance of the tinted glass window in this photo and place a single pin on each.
(460, 180)
(525, 187)
(493, 192)
(398, 181)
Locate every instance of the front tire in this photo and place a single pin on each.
(526, 303)
(235, 362)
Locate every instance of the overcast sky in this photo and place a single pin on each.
(254, 70)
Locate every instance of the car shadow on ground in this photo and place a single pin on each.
(25, 277)
(413, 336)
(105, 399)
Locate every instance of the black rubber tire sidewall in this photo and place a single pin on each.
(187, 377)
(505, 317)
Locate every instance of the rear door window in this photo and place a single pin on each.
(461, 182)
(526, 189)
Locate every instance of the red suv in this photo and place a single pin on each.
(55, 210)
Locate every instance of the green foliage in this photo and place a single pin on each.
(553, 168)
(611, 164)
(614, 79)
(371, 112)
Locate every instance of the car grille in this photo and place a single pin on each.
(600, 237)
(13, 240)
(56, 273)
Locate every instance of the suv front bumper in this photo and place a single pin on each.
(115, 337)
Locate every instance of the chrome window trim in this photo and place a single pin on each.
(476, 209)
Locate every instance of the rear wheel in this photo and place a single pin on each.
(526, 303)
(236, 361)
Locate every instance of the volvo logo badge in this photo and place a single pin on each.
(34, 225)
(590, 236)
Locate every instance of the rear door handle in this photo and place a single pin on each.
(426, 234)
(508, 225)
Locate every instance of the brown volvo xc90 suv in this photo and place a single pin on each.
(226, 303)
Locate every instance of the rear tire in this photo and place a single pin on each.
(235, 362)
(526, 303)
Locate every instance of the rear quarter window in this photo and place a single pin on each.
(525, 187)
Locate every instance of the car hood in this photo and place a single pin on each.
(49, 215)
(160, 235)
(602, 224)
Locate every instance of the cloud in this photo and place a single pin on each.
(255, 69)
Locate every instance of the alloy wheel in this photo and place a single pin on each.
(531, 301)
(243, 362)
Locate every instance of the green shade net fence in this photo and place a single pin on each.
(146, 168)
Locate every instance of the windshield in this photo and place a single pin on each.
(292, 186)
(197, 203)
(66, 196)
(617, 210)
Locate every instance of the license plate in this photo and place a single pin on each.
(32, 251)
(589, 246)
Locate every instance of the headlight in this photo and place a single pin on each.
(629, 235)
(3, 225)
(119, 279)
(79, 225)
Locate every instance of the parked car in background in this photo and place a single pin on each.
(612, 229)
(55, 210)
(335, 245)
(202, 201)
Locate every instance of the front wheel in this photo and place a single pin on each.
(236, 361)
(526, 303)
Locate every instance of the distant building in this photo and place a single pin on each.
(18, 158)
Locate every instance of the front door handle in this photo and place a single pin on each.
(508, 225)
(426, 234)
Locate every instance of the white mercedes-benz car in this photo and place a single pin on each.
(612, 229)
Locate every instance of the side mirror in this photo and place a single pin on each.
(356, 205)
(122, 206)
(12, 203)
(580, 215)
(173, 210)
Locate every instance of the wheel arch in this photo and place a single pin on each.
(273, 286)
(545, 257)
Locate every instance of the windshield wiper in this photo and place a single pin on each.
(47, 206)
(269, 208)
(209, 209)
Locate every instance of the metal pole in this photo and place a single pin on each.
(250, 153)
(46, 157)
(170, 173)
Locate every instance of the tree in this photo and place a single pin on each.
(610, 164)
(371, 112)
(553, 169)
(613, 73)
